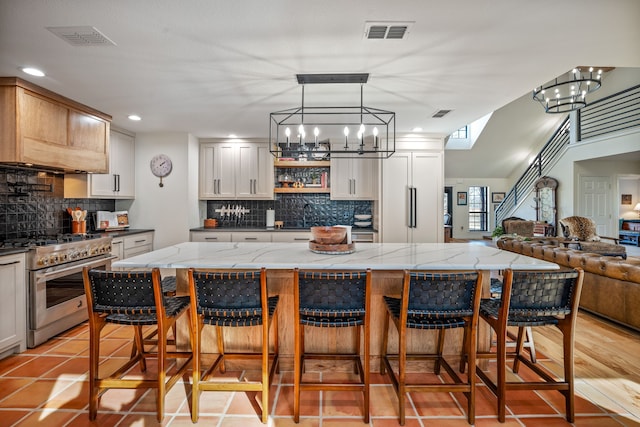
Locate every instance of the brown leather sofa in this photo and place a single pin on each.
(611, 286)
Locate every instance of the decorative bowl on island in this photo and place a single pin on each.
(329, 235)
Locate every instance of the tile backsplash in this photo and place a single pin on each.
(295, 210)
(32, 204)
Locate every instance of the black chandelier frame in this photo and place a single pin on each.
(309, 146)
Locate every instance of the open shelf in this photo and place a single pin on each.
(302, 190)
(307, 164)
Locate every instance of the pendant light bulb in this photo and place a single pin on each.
(316, 132)
(287, 132)
(375, 138)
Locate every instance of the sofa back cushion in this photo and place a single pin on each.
(579, 228)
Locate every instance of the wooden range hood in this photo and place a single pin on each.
(41, 129)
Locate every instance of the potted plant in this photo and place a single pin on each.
(497, 232)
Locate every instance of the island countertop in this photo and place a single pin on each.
(377, 256)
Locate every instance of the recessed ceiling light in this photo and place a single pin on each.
(233, 135)
(33, 71)
(135, 118)
(418, 129)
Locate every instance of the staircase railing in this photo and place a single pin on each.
(610, 114)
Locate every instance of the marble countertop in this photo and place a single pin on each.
(377, 256)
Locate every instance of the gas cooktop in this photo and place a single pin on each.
(28, 242)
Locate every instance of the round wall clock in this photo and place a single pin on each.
(161, 166)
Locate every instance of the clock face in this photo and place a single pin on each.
(161, 165)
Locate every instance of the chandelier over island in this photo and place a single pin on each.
(568, 93)
(320, 132)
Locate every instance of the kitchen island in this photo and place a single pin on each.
(386, 260)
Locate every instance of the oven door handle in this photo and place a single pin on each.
(62, 270)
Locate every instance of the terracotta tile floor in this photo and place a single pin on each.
(48, 386)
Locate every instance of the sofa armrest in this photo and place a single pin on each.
(615, 239)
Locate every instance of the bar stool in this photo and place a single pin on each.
(531, 299)
(433, 301)
(232, 299)
(332, 299)
(135, 299)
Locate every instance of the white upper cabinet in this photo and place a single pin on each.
(119, 183)
(231, 170)
(354, 179)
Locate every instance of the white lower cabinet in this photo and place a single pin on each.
(210, 236)
(258, 236)
(364, 236)
(270, 236)
(13, 306)
(127, 246)
(290, 236)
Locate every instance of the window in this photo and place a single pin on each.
(478, 204)
(461, 133)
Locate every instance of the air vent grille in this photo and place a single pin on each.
(441, 113)
(387, 30)
(82, 36)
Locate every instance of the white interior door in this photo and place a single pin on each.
(595, 202)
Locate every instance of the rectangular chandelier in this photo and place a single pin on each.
(318, 133)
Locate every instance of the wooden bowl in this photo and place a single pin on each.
(328, 235)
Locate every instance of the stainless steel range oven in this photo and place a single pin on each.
(56, 299)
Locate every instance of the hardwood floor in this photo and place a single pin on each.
(607, 362)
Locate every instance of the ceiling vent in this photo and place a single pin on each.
(387, 30)
(82, 36)
(441, 113)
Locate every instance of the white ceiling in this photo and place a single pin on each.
(214, 68)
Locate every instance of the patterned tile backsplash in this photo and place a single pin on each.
(32, 204)
(296, 210)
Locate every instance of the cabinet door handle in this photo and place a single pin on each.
(250, 238)
(210, 238)
(118, 180)
(415, 207)
(140, 241)
(409, 210)
(4, 264)
(115, 182)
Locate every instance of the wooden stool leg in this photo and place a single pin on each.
(464, 351)
(385, 342)
(195, 387)
(502, 373)
(219, 332)
(567, 343)
(436, 365)
(297, 370)
(138, 348)
(94, 362)
(357, 347)
(402, 375)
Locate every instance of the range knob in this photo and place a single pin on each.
(43, 261)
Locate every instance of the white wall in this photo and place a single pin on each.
(461, 213)
(173, 209)
(629, 184)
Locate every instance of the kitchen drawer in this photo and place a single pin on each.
(260, 236)
(138, 240)
(137, 250)
(203, 236)
(290, 237)
(363, 236)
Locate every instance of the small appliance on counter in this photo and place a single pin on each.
(271, 218)
(106, 221)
